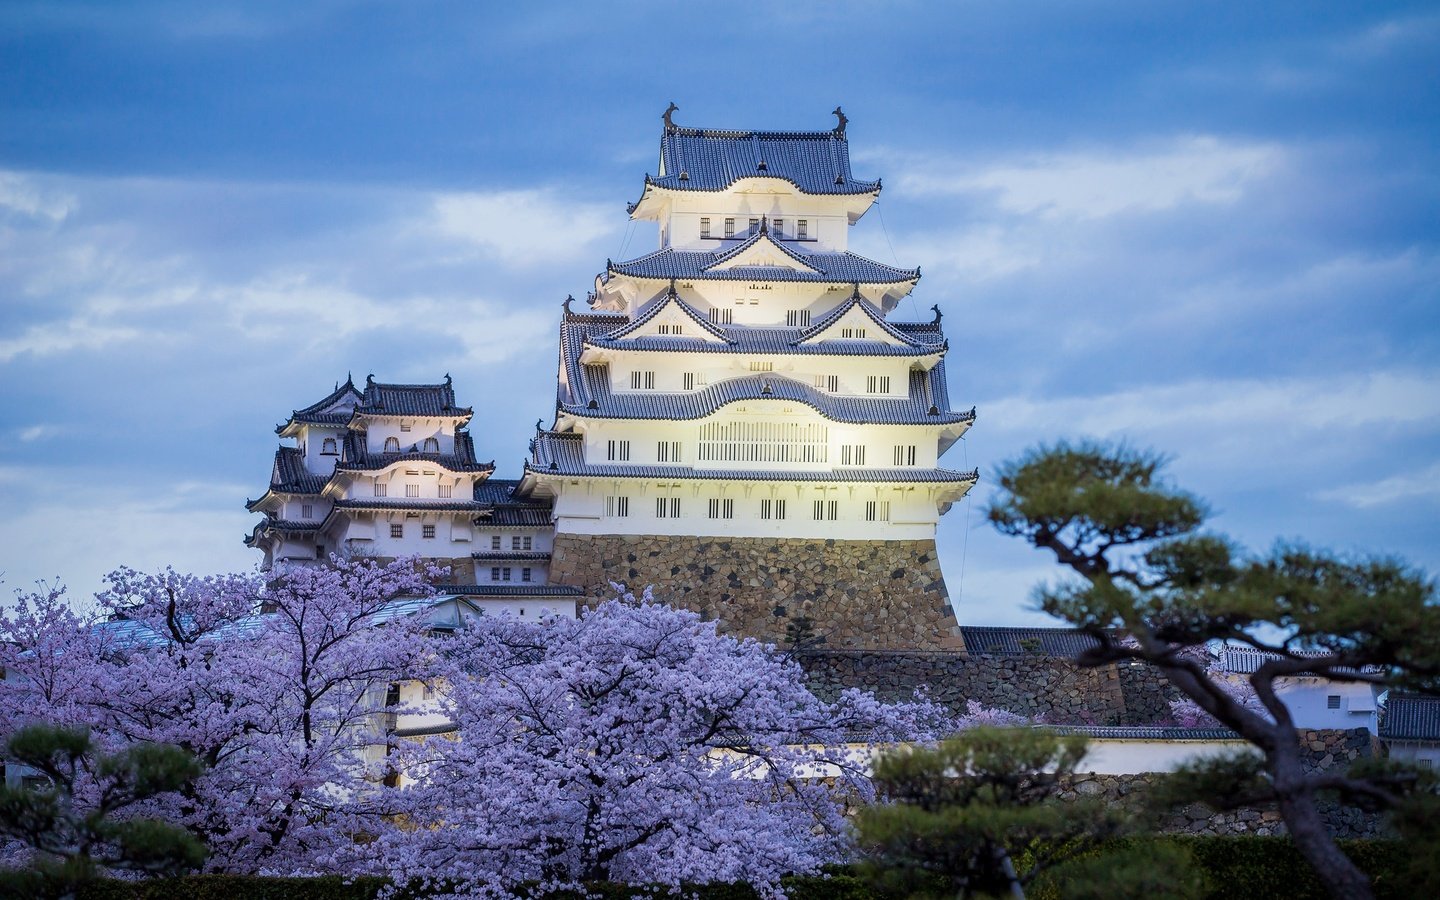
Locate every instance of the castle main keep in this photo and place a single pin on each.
(738, 422)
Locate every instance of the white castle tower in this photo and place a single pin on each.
(390, 471)
(738, 422)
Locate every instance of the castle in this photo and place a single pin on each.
(737, 422)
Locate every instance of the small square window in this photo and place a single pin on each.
(397, 530)
(427, 531)
(1332, 701)
(306, 511)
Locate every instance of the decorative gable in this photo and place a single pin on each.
(763, 251)
(856, 321)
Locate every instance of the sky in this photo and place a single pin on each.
(1211, 229)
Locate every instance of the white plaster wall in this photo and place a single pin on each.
(1421, 753)
(377, 430)
(828, 216)
(1308, 702)
(1120, 756)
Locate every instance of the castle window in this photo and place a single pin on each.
(494, 542)
(669, 329)
(499, 573)
(722, 509)
(756, 366)
(722, 316)
(754, 226)
(527, 543)
(642, 380)
(1332, 701)
(772, 509)
(852, 454)
(667, 451)
(667, 507)
(392, 444)
(427, 531)
(797, 317)
(380, 488)
(852, 332)
(327, 447)
(877, 384)
(397, 530)
(729, 228)
(617, 507)
(763, 442)
(431, 445)
(688, 381)
(319, 551)
(904, 454)
(412, 490)
(704, 226)
(404, 426)
(306, 511)
(618, 450)
(877, 510)
(802, 229)
(525, 574)
(826, 510)
(446, 491)
(779, 227)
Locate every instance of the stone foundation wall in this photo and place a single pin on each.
(860, 594)
(1041, 687)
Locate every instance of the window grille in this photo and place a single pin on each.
(525, 574)
(852, 332)
(1332, 701)
(797, 317)
(807, 442)
(667, 451)
(392, 444)
(779, 227)
(761, 366)
(704, 227)
(404, 426)
(826, 510)
(306, 511)
(722, 509)
(852, 454)
(722, 316)
(412, 490)
(669, 329)
(642, 380)
(446, 491)
(397, 530)
(877, 510)
(380, 488)
(877, 384)
(802, 229)
(494, 542)
(754, 226)
(772, 509)
(618, 450)
(904, 454)
(667, 507)
(617, 507)
(427, 531)
(688, 381)
(327, 447)
(431, 445)
(729, 228)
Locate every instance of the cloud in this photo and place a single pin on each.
(1329, 403)
(1421, 484)
(1100, 183)
(524, 228)
(23, 196)
(62, 337)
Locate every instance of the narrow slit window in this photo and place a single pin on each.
(704, 226)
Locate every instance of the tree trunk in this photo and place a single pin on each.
(1341, 877)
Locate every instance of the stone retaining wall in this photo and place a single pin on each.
(1041, 687)
(859, 594)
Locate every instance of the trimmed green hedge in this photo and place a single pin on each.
(1237, 868)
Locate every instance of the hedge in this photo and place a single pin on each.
(1237, 868)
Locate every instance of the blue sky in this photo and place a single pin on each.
(1213, 229)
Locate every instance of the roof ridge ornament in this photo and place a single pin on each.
(839, 126)
(671, 292)
(764, 220)
(855, 294)
(669, 122)
(569, 299)
(938, 314)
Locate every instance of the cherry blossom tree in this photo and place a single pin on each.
(636, 744)
(272, 687)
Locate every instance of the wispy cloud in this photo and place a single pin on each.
(1422, 485)
(525, 228)
(1102, 182)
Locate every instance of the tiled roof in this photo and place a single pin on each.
(1067, 642)
(698, 159)
(753, 340)
(926, 394)
(562, 454)
(511, 590)
(358, 458)
(1246, 660)
(500, 506)
(700, 265)
(437, 400)
(1411, 717)
(320, 413)
(288, 475)
(408, 504)
(1147, 732)
(516, 555)
(856, 302)
(654, 308)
